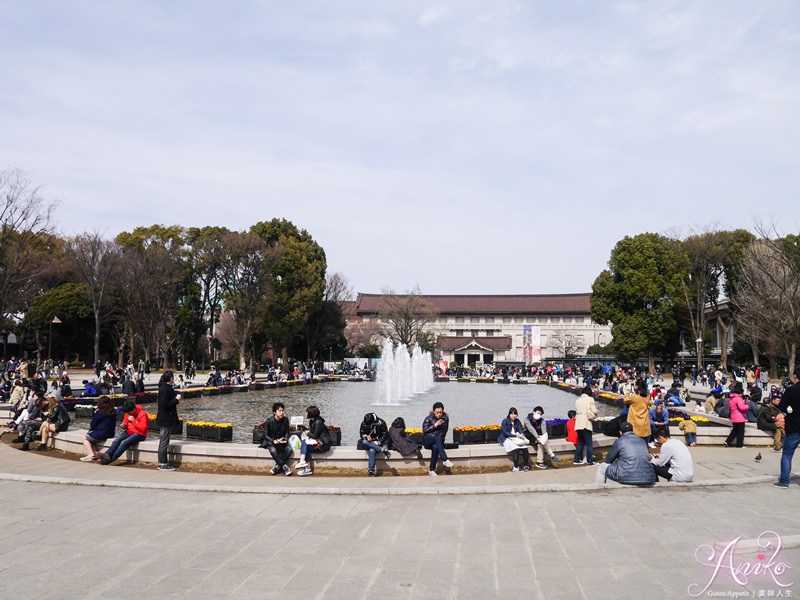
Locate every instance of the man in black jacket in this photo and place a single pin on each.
(790, 406)
(276, 439)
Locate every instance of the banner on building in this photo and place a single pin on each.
(531, 344)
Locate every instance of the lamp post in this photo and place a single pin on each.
(55, 321)
(699, 343)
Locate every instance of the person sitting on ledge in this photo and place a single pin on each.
(57, 420)
(434, 430)
(276, 439)
(134, 430)
(536, 432)
(374, 438)
(104, 421)
(316, 441)
(628, 460)
(512, 439)
(400, 440)
(674, 462)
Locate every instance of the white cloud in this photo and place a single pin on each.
(506, 149)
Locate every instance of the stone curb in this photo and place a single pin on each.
(376, 491)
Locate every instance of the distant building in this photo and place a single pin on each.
(505, 329)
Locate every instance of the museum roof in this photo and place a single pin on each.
(491, 304)
(453, 342)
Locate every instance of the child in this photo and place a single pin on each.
(689, 428)
(572, 435)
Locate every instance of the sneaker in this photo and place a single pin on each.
(554, 458)
(448, 463)
(166, 467)
(275, 470)
(590, 464)
(776, 449)
(778, 484)
(652, 445)
(41, 448)
(287, 471)
(541, 466)
(515, 470)
(579, 462)
(105, 459)
(526, 468)
(433, 473)
(370, 473)
(301, 465)
(305, 472)
(18, 440)
(726, 444)
(87, 458)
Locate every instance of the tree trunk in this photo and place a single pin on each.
(724, 327)
(242, 357)
(792, 358)
(651, 361)
(285, 358)
(96, 336)
(132, 354)
(773, 366)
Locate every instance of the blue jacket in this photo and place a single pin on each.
(508, 429)
(629, 461)
(102, 426)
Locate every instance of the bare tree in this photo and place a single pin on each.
(768, 295)
(404, 317)
(96, 263)
(25, 230)
(564, 344)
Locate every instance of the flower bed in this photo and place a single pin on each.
(193, 393)
(468, 435)
(210, 391)
(415, 434)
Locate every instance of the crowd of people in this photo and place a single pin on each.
(644, 450)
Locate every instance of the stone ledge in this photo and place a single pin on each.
(341, 457)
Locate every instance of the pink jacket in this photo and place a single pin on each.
(738, 409)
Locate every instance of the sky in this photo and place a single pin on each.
(462, 147)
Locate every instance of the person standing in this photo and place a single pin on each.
(638, 405)
(166, 418)
(738, 417)
(585, 413)
(790, 406)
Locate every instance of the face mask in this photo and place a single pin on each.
(537, 416)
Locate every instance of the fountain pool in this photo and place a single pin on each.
(344, 404)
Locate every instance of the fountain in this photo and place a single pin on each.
(400, 376)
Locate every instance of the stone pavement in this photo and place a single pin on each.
(126, 532)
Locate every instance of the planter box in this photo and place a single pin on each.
(490, 436)
(211, 392)
(194, 431)
(218, 434)
(226, 389)
(417, 437)
(154, 427)
(258, 435)
(555, 431)
(190, 393)
(468, 437)
(84, 411)
(336, 438)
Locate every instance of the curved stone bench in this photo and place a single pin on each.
(473, 457)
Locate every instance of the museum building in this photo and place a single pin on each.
(504, 329)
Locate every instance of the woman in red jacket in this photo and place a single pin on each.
(738, 416)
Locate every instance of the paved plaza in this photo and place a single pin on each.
(77, 530)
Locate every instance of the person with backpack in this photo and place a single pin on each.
(400, 441)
